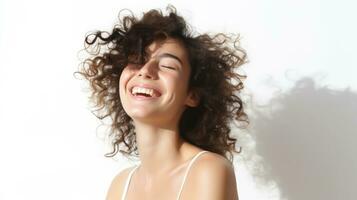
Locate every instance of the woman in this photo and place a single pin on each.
(171, 97)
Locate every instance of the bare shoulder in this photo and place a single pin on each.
(117, 185)
(213, 178)
(213, 160)
(212, 166)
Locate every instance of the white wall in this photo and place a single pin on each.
(301, 141)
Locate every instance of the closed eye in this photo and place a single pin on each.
(173, 68)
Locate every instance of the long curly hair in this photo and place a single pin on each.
(213, 60)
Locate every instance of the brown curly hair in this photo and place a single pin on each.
(213, 60)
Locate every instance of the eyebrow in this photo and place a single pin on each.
(170, 56)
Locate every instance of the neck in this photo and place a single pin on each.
(160, 148)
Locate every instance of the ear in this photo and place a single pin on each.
(193, 98)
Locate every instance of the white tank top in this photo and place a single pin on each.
(183, 182)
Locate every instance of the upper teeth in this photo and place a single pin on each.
(148, 91)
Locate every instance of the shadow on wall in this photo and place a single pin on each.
(308, 142)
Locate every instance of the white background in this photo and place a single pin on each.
(301, 77)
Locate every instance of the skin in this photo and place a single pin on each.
(163, 153)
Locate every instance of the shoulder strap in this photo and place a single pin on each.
(187, 170)
(128, 182)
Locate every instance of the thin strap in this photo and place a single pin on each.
(187, 170)
(128, 182)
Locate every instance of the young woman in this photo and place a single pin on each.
(171, 98)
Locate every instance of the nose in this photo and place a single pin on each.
(148, 71)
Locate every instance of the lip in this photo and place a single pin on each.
(157, 92)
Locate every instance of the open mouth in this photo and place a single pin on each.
(144, 92)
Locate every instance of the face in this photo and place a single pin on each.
(157, 92)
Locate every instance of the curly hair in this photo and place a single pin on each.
(213, 60)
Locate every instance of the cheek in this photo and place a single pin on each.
(123, 80)
(177, 83)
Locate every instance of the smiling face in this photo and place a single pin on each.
(157, 92)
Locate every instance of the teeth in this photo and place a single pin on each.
(147, 91)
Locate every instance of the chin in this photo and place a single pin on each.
(141, 114)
